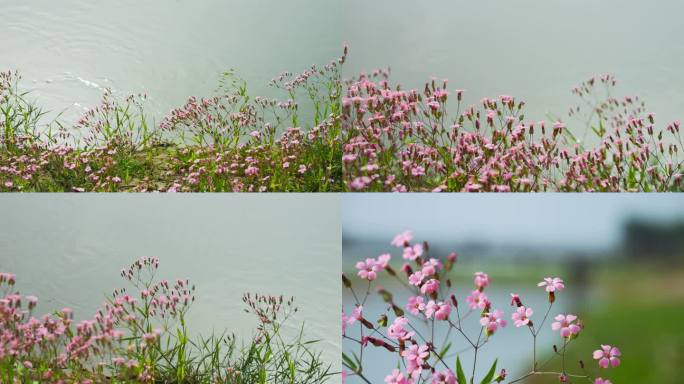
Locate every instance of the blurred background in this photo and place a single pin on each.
(621, 256)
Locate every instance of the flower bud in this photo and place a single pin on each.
(397, 311)
(382, 321)
(454, 301)
(501, 377)
(347, 283)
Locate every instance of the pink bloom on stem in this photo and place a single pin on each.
(522, 316)
(368, 269)
(349, 320)
(607, 356)
(566, 325)
(416, 278)
(600, 380)
(396, 377)
(477, 299)
(444, 377)
(552, 284)
(430, 267)
(383, 260)
(397, 331)
(415, 356)
(402, 239)
(481, 280)
(356, 313)
(413, 252)
(492, 321)
(441, 310)
(430, 286)
(416, 304)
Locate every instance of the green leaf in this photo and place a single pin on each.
(444, 350)
(460, 376)
(348, 362)
(490, 375)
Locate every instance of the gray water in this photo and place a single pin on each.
(68, 52)
(536, 50)
(68, 250)
(511, 345)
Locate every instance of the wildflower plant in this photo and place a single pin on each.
(431, 140)
(141, 335)
(409, 333)
(229, 142)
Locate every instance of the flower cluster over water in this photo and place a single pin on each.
(142, 336)
(433, 305)
(229, 142)
(330, 134)
(411, 140)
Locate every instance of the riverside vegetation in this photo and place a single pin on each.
(140, 335)
(228, 142)
(329, 134)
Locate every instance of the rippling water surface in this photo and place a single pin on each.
(537, 50)
(68, 52)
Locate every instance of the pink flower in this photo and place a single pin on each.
(602, 381)
(481, 280)
(349, 320)
(368, 269)
(607, 355)
(397, 331)
(415, 356)
(416, 304)
(477, 299)
(552, 284)
(383, 260)
(430, 267)
(444, 377)
(441, 310)
(413, 252)
(396, 377)
(566, 325)
(522, 316)
(430, 286)
(302, 169)
(402, 239)
(251, 170)
(356, 313)
(416, 278)
(492, 321)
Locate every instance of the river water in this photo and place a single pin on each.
(68, 250)
(537, 49)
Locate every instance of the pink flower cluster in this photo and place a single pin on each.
(55, 349)
(230, 142)
(409, 140)
(433, 305)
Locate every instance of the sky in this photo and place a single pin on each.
(557, 220)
